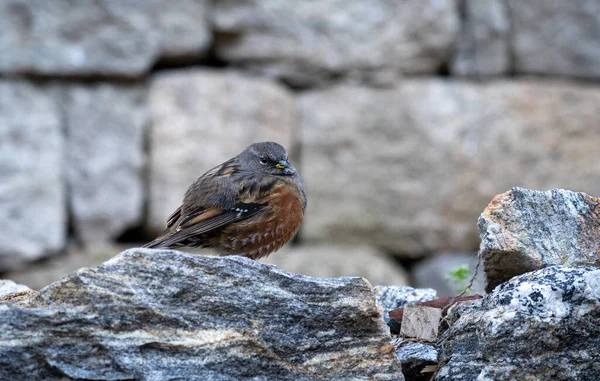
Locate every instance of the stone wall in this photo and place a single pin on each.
(404, 117)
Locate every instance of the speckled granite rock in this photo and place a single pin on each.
(524, 230)
(161, 314)
(415, 356)
(543, 325)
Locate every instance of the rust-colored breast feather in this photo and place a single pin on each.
(266, 232)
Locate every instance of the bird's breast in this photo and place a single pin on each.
(267, 231)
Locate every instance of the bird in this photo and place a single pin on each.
(250, 205)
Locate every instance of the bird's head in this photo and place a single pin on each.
(267, 158)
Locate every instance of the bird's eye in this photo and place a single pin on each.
(263, 160)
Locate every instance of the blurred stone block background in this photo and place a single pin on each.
(404, 117)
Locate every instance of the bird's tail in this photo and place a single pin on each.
(160, 242)
(156, 244)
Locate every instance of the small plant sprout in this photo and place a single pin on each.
(460, 277)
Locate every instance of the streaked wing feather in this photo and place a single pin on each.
(174, 217)
(191, 226)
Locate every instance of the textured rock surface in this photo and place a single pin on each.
(409, 169)
(152, 315)
(108, 38)
(543, 325)
(202, 118)
(421, 323)
(364, 38)
(433, 273)
(524, 230)
(32, 206)
(414, 357)
(9, 287)
(483, 47)
(556, 37)
(330, 261)
(105, 125)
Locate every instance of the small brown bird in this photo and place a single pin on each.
(250, 205)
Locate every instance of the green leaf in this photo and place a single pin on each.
(460, 276)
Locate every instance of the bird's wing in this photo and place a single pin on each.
(218, 198)
(215, 218)
(205, 221)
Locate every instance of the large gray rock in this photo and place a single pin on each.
(200, 119)
(157, 315)
(309, 41)
(32, 195)
(409, 169)
(102, 38)
(329, 261)
(524, 230)
(105, 125)
(483, 47)
(556, 37)
(543, 325)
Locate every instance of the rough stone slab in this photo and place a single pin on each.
(329, 261)
(9, 287)
(483, 47)
(105, 124)
(543, 325)
(524, 230)
(32, 196)
(421, 323)
(364, 38)
(99, 38)
(556, 37)
(201, 118)
(410, 169)
(160, 314)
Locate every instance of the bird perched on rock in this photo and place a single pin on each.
(250, 205)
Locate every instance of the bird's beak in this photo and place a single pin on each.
(282, 164)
